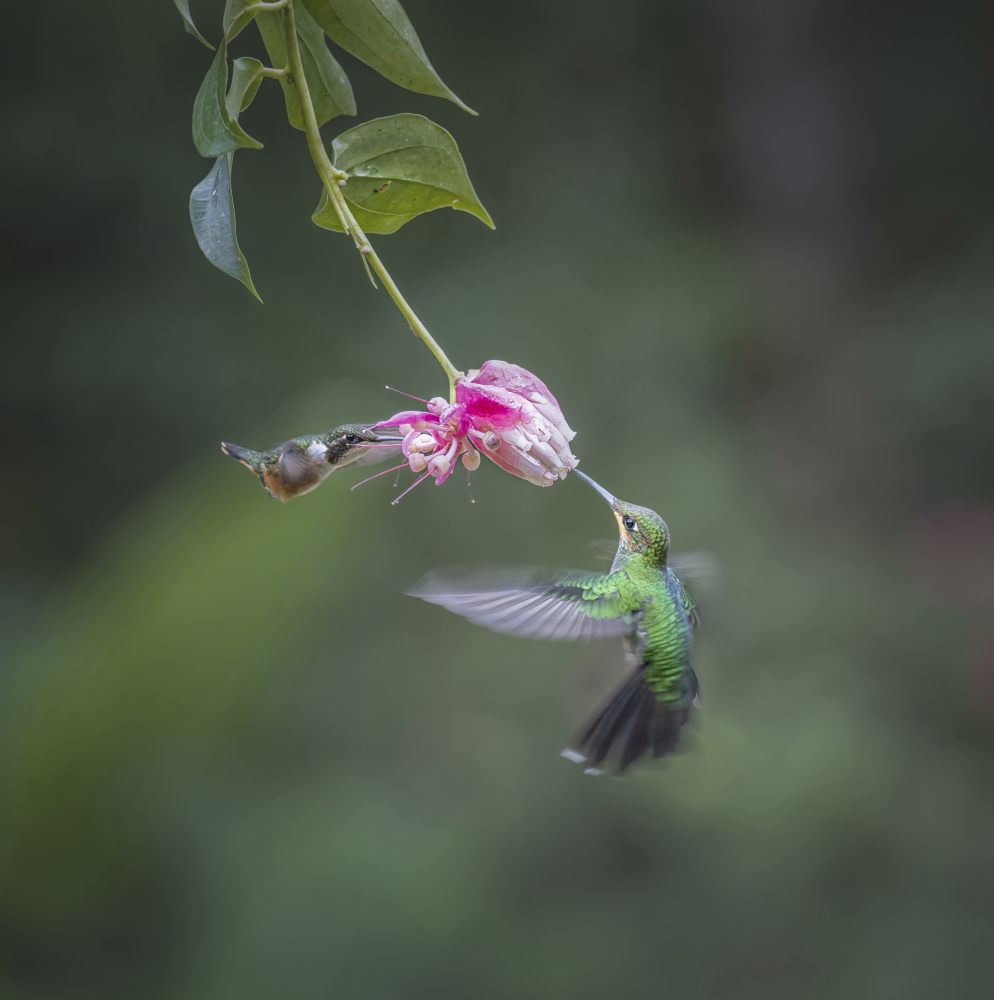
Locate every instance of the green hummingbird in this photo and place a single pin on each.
(640, 599)
(301, 464)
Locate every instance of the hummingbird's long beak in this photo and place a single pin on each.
(600, 489)
(370, 428)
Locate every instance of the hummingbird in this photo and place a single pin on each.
(640, 600)
(301, 464)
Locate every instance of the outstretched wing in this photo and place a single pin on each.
(536, 604)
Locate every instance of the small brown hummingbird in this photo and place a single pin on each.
(301, 464)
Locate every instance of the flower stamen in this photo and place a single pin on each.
(401, 392)
(403, 465)
(409, 488)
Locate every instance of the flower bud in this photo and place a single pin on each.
(422, 443)
(438, 465)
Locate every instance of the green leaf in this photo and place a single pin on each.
(183, 6)
(371, 223)
(246, 75)
(379, 33)
(235, 20)
(214, 130)
(212, 212)
(399, 168)
(331, 93)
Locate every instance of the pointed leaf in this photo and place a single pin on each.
(379, 33)
(212, 212)
(399, 168)
(214, 130)
(183, 6)
(331, 93)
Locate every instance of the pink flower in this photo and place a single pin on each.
(501, 410)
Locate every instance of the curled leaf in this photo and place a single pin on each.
(183, 6)
(236, 18)
(215, 131)
(246, 75)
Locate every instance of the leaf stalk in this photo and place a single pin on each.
(334, 180)
(260, 8)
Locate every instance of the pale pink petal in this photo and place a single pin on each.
(413, 417)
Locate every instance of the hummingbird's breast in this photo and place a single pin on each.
(666, 639)
(272, 480)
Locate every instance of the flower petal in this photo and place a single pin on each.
(489, 406)
(417, 418)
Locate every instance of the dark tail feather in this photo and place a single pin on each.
(633, 722)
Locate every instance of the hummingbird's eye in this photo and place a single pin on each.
(351, 438)
(629, 522)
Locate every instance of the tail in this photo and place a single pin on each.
(633, 723)
(239, 454)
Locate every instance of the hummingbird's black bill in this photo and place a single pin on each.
(379, 435)
(600, 489)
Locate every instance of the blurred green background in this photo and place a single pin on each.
(749, 246)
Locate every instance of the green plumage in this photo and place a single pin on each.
(640, 599)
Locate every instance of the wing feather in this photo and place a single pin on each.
(296, 465)
(566, 605)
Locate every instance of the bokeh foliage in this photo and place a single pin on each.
(749, 250)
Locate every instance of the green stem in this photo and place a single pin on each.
(259, 8)
(334, 180)
(276, 74)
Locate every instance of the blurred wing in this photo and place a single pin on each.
(604, 549)
(695, 567)
(698, 572)
(689, 606)
(375, 454)
(296, 466)
(565, 605)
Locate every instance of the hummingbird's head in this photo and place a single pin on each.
(305, 463)
(643, 532)
(349, 442)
